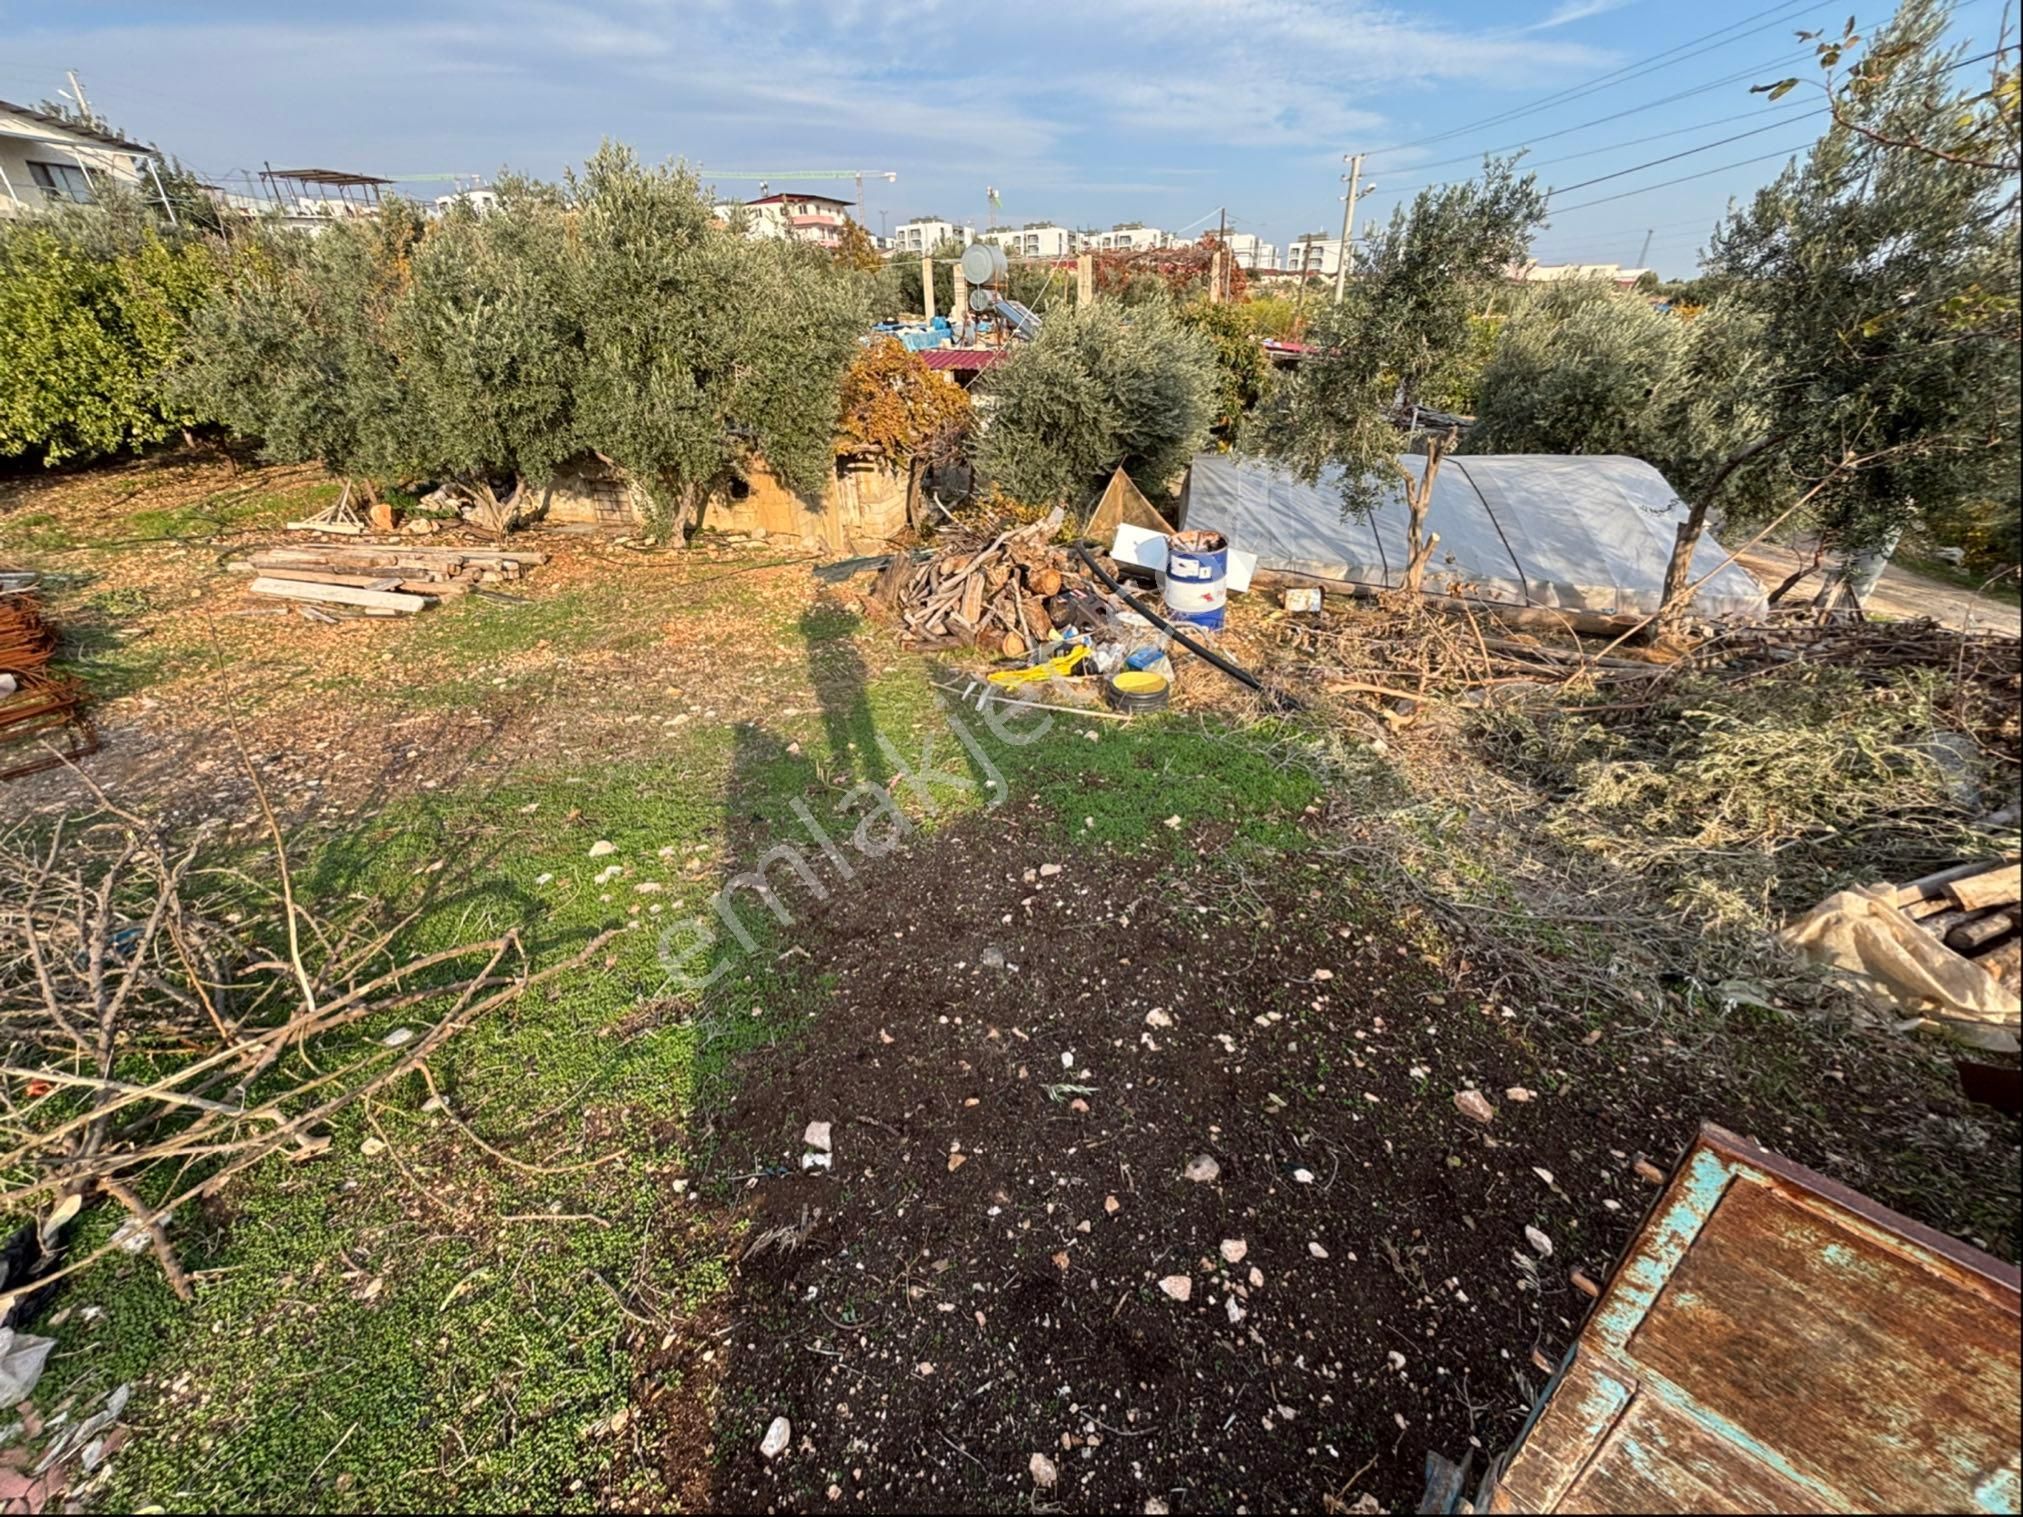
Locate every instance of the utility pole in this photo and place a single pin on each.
(77, 94)
(1221, 259)
(1645, 251)
(1348, 224)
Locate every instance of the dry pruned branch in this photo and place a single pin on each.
(155, 1042)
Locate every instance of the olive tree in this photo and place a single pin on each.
(1403, 319)
(490, 347)
(1884, 270)
(1589, 369)
(297, 349)
(1098, 388)
(702, 351)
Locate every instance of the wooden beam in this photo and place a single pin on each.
(1509, 614)
(342, 595)
(1992, 887)
(328, 577)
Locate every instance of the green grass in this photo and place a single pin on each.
(35, 532)
(227, 511)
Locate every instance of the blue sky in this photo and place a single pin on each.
(1152, 110)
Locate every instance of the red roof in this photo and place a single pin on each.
(962, 360)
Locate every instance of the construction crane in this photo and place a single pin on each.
(766, 179)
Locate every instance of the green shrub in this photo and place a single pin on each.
(1098, 388)
(95, 316)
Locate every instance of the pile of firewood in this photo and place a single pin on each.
(1975, 911)
(983, 588)
(330, 580)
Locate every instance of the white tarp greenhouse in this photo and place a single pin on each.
(1573, 533)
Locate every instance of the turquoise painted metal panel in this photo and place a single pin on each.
(1772, 1341)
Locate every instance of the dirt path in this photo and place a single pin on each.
(1900, 593)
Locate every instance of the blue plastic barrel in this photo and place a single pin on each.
(1197, 578)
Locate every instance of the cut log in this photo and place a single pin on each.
(1011, 645)
(2005, 962)
(1044, 582)
(461, 584)
(348, 528)
(416, 552)
(342, 595)
(1999, 886)
(1930, 888)
(1978, 932)
(353, 563)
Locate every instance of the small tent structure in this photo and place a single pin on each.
(1574, 533)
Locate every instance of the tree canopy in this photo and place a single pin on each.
(1404, 315)
(609, 314)
(1403, 319)
(1885, 276)
(1098, 388)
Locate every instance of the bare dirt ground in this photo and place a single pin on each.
(1901, 592)
(1025, 1050)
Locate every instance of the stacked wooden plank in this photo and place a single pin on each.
(988, 588)
(377, 579)
(1977, 911)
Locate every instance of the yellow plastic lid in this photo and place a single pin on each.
(1138, 682)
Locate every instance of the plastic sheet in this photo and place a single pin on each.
(1586, 534)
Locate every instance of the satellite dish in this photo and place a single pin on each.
(984, 263)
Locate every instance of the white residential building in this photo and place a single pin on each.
(1034, 240)
(1251, 252)
(46, 160)
(1560, 273)
(1126, 236)
(926, 233)
(1314, 253)
(478, 198)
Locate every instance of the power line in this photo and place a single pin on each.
(1754, 71)
(1786, 11)
(1637, 168)
(1684, 178)
(1783, 120)
(1676, 131)
(1674, 157)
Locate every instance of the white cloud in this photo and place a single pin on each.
(1569, 11)
(1077, 111)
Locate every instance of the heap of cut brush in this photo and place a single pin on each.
(330, 581)
(1416, 654)
(1004, 588)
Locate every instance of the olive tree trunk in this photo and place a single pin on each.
(1674, 601)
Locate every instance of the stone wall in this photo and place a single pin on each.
(862, 509)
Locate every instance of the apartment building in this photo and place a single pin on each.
(1126, 237)
(1036, 239)
(924, 234)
